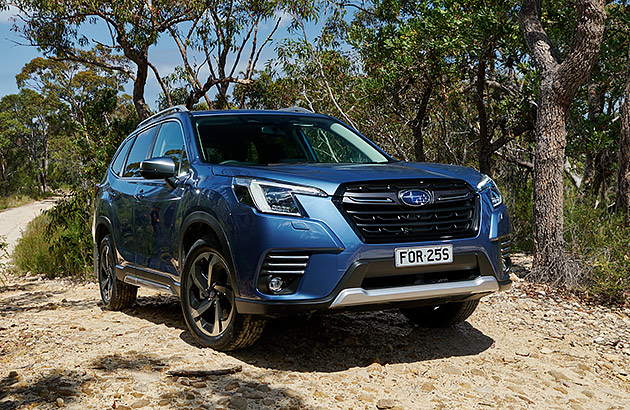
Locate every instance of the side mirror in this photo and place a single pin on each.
(159, 168)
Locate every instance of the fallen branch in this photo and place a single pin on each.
(204, 373)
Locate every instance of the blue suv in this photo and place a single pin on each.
(247, 215)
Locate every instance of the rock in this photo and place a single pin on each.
(223, 400)
(365, 397)
(385, 404)
(237, 402)
(268, 402)
(558, 375)
(339, 397)
(599, 340)
(525, 398)
(289, 392)
(59, 402)
(253, 394)
(428, 386)
(65, 392)
(263, 388)
(198, 384)
(231, 386)
(138, 404)
(517, 389)
(546, 350)
(452, 370)
(363, 374)
(13, 375)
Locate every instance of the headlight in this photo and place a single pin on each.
(495, 195)
(272, 197)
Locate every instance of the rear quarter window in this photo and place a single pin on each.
(119, 160)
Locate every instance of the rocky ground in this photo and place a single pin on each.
(521, 349)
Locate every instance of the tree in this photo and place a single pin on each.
(225, 33)
(133, 27)
(24, 123)
(623, 176)
(560, 79)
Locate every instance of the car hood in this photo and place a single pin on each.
(328, 177)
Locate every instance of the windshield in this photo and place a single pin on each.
(270, 139)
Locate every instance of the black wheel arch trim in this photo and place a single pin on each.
(212, 221)
(102, 220)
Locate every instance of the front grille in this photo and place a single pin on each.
(379, 216)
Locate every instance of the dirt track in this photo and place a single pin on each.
(521, 349)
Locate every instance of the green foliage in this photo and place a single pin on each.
(32, 252)
(58, 242)
(517, 194)
(601, 239)
(68, 235)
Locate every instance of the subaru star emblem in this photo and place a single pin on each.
(415, 197)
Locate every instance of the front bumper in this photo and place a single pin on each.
(343, 273)
(472, 273)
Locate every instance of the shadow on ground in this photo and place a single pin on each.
(339, 342)
(159, 309)
(301, 343)
(45, 389)
(40, 301)
(235, 390)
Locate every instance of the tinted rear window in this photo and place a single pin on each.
(120, 158)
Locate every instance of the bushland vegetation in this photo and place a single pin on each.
(535, 94)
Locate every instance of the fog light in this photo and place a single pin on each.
(275, 284)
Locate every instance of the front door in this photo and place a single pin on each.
(157, 216)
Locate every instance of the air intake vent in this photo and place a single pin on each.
(506, 245)
(277, 264)
(379, 215)
(281, 272)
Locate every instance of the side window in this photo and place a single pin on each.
(120, 158)
(138, 153)
(170, 143)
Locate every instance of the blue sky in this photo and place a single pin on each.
(164, 55)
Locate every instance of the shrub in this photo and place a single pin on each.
(32, 252)
(602, 240)
(58, 242)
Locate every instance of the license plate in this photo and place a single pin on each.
(423, 255)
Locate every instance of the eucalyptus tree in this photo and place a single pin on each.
(127, 29)
(561, 74)
(223, 44)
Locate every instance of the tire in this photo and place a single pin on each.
(445, 315)
(208, 301)
(116, 295)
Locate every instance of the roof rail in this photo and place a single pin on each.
(296, 109)
(177, 108)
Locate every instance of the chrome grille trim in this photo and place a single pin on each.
(277, 263)
(378, 216)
